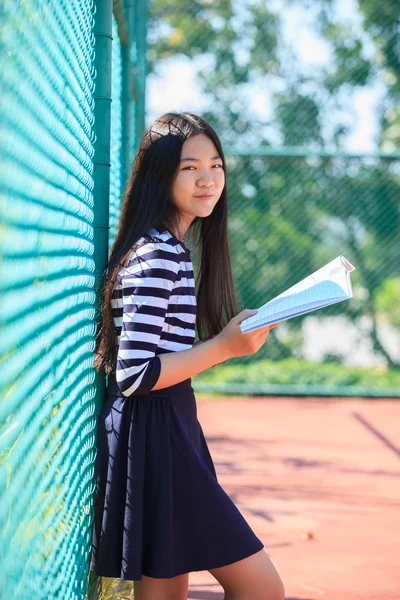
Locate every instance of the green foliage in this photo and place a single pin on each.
(387, 301)
(108, 588)
(292, 371)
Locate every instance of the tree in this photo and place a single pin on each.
(290, 215)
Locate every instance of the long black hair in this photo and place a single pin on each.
(147, 203)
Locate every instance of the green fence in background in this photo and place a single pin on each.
(299, 195)
(69, 118)
(289, 216)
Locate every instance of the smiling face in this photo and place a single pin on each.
(200, 180)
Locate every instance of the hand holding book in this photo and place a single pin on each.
(328, 285)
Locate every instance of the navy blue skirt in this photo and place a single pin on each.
(159, 509)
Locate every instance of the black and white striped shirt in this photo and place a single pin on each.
(154, 309)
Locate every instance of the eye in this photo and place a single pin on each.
(186, 168)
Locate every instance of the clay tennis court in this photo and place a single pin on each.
(319, 482)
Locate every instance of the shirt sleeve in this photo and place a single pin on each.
(147, 284)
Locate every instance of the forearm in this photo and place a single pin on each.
(178, 366)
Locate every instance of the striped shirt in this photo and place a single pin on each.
(154, 309)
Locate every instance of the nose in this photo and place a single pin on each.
(205, 182)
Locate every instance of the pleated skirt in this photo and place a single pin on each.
(159, 508)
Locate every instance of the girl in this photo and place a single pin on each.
(160, 512)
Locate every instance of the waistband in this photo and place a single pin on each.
(176, 389)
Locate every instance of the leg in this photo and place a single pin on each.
(151, 588)
(253, 578)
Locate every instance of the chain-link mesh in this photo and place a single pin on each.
(47, 297)
(290, 216)
(116, 134)
(280, 83)
(98, 586)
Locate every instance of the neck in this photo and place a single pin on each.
(181, 230)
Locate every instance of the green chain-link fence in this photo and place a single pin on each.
(47, 297)
(290, 216)
(279, 82)
(116, 134)
(62, 170)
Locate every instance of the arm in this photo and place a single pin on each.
(147, 284)
(178, 366)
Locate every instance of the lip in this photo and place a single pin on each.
(205, 196)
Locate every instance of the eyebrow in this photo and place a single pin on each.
(197, 160)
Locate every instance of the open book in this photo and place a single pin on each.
(328, 285)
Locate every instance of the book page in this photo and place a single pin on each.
(325, 286)
(333, 270)
(274, 319)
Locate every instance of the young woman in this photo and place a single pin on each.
(160, 512)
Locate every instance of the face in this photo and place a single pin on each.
(200, 179)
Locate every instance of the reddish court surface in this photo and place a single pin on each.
(318, 480)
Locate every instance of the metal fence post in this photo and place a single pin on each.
(140, 68)
(102, 164)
